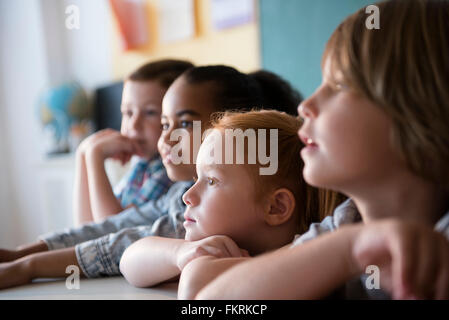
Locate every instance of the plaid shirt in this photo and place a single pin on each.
(147, 180)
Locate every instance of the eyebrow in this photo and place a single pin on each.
(185, 112)
(150, 102)
(188, 112)
(209, 167)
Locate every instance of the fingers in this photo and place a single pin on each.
(441, 291)
(427, 267)
(420, 263)
(221, 246)
(408, 257)
(232, 248)
(244, 253)
(216, 246)
(399, 263)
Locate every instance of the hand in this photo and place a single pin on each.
(91, 140)
(8, 255)
(112, 144)
(217, 246)
(413, 259)
(15, 273)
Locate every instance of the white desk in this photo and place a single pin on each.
(111, 288)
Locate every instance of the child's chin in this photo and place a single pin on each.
(190, 235)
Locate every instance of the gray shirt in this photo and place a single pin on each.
(99, 246)
(344, 214)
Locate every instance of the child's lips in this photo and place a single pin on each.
(188, 220)
(310, 145)
(308, 142)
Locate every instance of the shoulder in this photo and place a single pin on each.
(443, 225)
(345, 213)
(180, 187)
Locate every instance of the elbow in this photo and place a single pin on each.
(124, 270)
(128, 272)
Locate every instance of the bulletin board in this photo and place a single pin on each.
(237, 46)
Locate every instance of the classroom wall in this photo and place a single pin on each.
(294, 34)
(238, 46)
(40, 51)
(22, 75)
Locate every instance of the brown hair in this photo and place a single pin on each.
(312, 204)
(162, 71)
(404, 68)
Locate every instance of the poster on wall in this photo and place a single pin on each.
(176, 20)
(231, 13)
(132, 22)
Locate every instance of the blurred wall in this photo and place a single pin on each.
(38, 51)
(23, 72)
(294, 33)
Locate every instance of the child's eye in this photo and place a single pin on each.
(186, 124)
(164, 126)
(150, 113)
(127, 113)
(211, 181)
(340, 86)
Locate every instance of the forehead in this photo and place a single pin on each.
(184, 96)
(139, 90)
(212, 143)
(330, 69)
(207, 158)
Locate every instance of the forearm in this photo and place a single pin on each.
(81, 200)
(28, 249)
(200, 272)
(102, 199)
(150, 261)
(51, 264)
(309, 271)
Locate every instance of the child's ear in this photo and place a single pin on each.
(281, 207)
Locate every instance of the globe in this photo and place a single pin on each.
(60, 109)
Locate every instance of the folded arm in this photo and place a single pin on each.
(153, 260)
(308, 271)
(150, 261)
(201, 271)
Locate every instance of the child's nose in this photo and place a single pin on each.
(186, 199)
(136, 123)
(189, 197)
(307, 108)
(165, 136)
